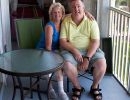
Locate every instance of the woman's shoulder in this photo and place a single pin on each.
(50, 23)
(48, 27)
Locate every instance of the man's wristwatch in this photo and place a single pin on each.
(86, 57)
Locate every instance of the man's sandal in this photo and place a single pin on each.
(97, 95)
(77, 93)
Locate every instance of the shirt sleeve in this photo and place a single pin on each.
(63, 31)
(95, 34)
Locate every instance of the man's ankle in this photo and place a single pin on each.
(95, 86)
(77, 87)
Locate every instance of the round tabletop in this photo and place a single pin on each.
(30, 62)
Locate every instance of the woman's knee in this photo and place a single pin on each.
(59, 75)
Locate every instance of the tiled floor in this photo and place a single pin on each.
(110, 88)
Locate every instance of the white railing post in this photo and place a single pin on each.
(129, 56)
(129, 80)
(119, 30)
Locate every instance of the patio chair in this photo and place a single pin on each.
(28, 33)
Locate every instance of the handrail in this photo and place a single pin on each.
(120, 11)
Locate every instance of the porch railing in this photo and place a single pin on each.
(119, 31)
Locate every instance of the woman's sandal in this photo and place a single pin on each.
(98, 95)
(77, 93)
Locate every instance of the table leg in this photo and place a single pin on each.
(14, 89)
(21, 88)
(38, 87)
(49, 85)
(31, 93)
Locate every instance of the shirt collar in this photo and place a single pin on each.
(71, 21)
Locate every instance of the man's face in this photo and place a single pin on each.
(77, 8)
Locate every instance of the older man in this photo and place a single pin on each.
(80, 40)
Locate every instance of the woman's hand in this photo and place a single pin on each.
(89, 15)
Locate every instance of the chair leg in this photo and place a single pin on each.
(79, 75)
(67, 84)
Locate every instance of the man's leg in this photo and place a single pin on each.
(98, 72)
(71, 71)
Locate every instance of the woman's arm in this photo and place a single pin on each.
(48, 37)
(89, 15)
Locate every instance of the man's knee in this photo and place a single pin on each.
(69, 67)
(100, 65)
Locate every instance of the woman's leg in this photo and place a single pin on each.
(52, 94)
(61, 92)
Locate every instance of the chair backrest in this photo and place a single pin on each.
(28, 32)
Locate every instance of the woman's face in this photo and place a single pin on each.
(56, 14)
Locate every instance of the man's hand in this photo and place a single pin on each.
(78, 56)
(84, 65)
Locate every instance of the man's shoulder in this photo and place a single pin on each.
(67, 18)
(88, 21)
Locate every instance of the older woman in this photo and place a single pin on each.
(50, 41)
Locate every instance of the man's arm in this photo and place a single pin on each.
(69, 47)
(93, 46)
(94, 39)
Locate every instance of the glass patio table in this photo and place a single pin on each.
(29, 63)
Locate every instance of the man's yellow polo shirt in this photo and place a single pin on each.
(80, 35)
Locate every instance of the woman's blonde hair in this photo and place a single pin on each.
(57, 4)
